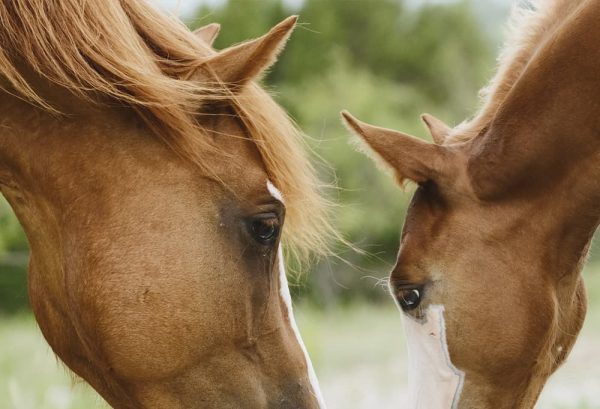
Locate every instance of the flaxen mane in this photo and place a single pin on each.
(129, 52)
(532, 23)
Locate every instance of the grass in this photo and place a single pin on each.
(358, 352)
(30, 375)
(592, 283)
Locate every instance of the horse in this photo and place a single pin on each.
(152, 176)
(488, 272)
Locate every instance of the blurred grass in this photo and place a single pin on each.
(358, 353)
(30, 376)
(592, 283)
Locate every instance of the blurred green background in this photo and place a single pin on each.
(387, 61)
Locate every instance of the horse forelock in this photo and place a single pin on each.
(127, 51)
(532, 22)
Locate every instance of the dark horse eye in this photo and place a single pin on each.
(409, 298)
(265, 228)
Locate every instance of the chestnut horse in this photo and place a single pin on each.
(488, 273)
(150, 173)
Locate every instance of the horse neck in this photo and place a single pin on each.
(554, 232)
(562, 220)
(545, 134)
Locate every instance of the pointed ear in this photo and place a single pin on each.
(439, 130)
(242, 63)
(208, 33)
(410, 157)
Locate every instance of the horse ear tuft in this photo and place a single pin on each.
(237, 65)
(208, 33)
(439, 130)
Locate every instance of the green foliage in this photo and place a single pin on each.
(440, 49)
(13, 288)
(13, 284)
(11, 234)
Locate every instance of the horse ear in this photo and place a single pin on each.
(208, 33)
(439, 130)
(242, 63)
(410, 157)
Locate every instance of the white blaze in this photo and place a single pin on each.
(284, 292)
(434, 382)
(274, 191)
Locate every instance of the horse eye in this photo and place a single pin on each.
(409, 298)
(265, 228)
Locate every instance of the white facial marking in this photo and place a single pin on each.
(274, 191)
(434, 382)
(284, 292)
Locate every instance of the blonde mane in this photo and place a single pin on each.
(129, 52)
(531, 24)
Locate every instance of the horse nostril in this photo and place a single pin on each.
(409, 298)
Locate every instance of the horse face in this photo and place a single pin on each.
(502, 302)
(158, 281)
(212, 294)
(490, 307)
(171, 279)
